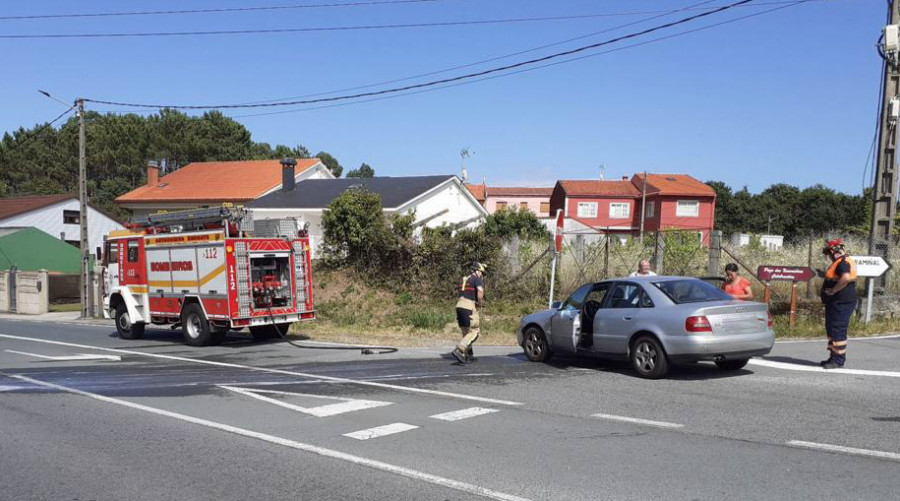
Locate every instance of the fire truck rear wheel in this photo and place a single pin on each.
(195, 326)
(125, 328)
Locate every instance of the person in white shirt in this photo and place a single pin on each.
(643, 270)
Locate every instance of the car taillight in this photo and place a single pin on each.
(697, 324)
(769, 321)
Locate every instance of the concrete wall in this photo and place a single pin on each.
(4, 290)
(32, 290)
(50, 220)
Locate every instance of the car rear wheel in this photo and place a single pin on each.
(732, 365)
(537, 349)
(124, 327)
(649, 358)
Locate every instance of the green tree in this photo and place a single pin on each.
(508, 222)
(364, 170)
(354, 226)
(725, 214)
(332, 163)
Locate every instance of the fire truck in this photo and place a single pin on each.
(207, 271)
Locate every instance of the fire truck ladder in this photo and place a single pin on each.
(194, 219)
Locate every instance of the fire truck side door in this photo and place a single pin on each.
(131, 262)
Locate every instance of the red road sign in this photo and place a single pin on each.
(769, 273)
(558, 237)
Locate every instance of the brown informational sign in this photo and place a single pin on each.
(768, 273)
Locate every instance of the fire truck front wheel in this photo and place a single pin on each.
(125, 328)
(195, 326)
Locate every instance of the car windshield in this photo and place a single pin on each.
(691, 291)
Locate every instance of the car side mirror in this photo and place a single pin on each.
(556, 305)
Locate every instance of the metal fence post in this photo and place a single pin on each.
(659, 252)
(715, 252)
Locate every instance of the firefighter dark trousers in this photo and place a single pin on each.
(837, 319)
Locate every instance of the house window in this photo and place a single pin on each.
(651, 209)
(687, 208)
(545, 207)
(71, 217)
(619, 210)
(523, 205)
(587, 209)
(501, 205)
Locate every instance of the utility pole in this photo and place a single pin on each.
(86, 306)
(884, 194)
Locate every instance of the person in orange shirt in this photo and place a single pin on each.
(735, 285)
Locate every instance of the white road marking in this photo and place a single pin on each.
(321, 451)
(846, 450)
(822, 340)
(273, 371)
(660, 424)
(463, 414)
(810, 368)
(380, 431)
(345, 405)
(66, 358)
(12, 387)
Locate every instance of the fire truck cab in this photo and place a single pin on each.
(208, 272)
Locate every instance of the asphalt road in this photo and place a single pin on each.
(85, 415)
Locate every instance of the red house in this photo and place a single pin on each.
(673, 201)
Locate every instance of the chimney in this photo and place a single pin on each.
(624, 178)
(152, 173)
(287, 174)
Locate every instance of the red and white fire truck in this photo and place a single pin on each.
(205, 270)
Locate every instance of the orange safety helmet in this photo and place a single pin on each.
(836, 245)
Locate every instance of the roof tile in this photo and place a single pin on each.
(599, 188)
(14, 206)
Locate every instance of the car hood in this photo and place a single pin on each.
(538, 317)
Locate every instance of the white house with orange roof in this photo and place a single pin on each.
(210, 184)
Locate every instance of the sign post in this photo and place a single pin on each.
(870, 267)
(557, 248)
(793, 274)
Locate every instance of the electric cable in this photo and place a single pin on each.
(19, 144)
(624, 47)
(445, 80)
(212, 11)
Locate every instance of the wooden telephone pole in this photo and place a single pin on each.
(884, 194)
(86, 286)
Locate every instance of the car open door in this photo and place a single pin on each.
(565, 326)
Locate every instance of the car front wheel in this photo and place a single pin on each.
(732, 365)
(124, 326)
(649, 358)
(537, 349)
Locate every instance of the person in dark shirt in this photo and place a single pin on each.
(839, 296)
(471, 299)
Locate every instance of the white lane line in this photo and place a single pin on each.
(660, 424)
(273, 371)
(846, 450)
(66, 358)
(852, 338)
(463, 414)
(381, 431)
(810, 368)
(345, 405)
(321, 451)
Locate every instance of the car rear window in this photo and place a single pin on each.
(691, 291)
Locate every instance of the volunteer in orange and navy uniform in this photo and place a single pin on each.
(839, 295)
(471, 298)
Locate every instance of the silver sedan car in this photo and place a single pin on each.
(653, 321)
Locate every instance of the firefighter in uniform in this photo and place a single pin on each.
(471, 298)
(839, 295)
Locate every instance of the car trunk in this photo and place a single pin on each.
(736, 318)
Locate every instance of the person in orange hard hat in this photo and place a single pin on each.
(839, 296)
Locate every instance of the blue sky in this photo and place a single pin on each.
(789, 96)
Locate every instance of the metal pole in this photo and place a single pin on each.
(809, 264)
(793, 304)
(870, 285)
(643, 206)
(83, 216)
(884, 193)
(552, 278)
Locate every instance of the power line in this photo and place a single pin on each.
(617, 49)
(492, 59)
(445, 80)
(322, 28)
(34, 134)
(211, 11)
